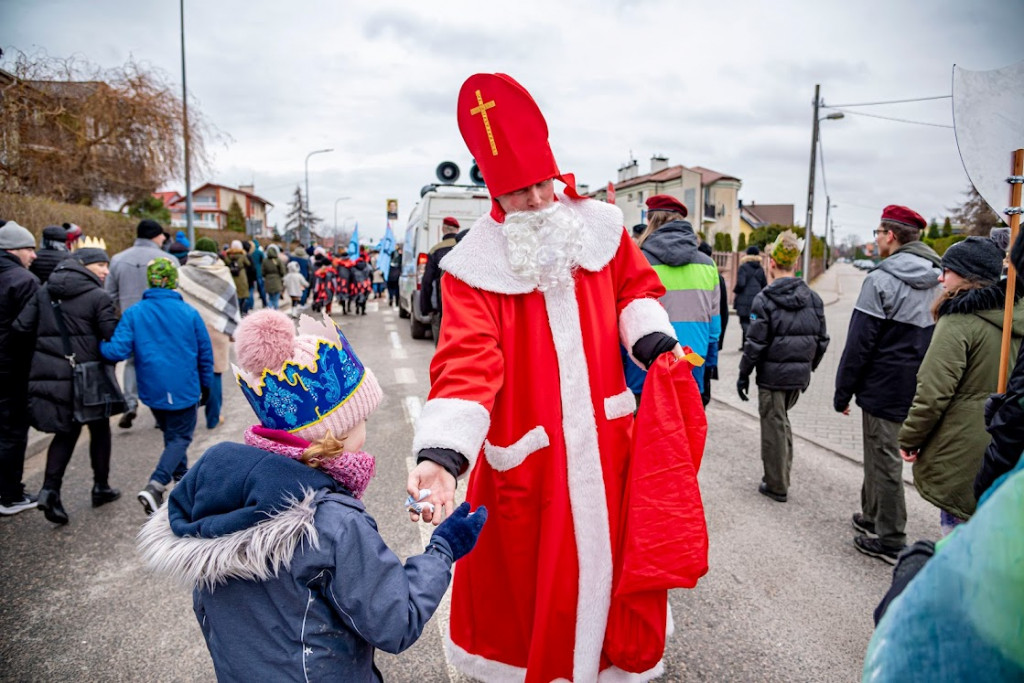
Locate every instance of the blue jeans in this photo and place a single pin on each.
(214, 403)
(177, 426)
(273, 300)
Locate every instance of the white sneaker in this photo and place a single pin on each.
(27, 502)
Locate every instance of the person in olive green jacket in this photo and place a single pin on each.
(944, 433)
(273, 276)
(238, 261)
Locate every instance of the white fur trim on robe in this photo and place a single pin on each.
(640, 318)
(480, 259)
(491, 671)
(504, 458)
(453, 423)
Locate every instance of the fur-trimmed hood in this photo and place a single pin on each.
(480, 259)
(241, 512)
(988, 303)
(751, 258)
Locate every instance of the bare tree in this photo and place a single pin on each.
(72, 131)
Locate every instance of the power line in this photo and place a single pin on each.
(892, 118)
(871, 104)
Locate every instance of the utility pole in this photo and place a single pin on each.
(184, 104)
(808, 234)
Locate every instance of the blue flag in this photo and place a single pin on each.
(353, 244)
(386, 248)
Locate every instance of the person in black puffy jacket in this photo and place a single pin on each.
(785, 342)
(90, 316)
(750, 280)
(53, 251)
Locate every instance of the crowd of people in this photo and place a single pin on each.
(558, 328)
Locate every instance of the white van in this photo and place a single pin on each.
(465, 203)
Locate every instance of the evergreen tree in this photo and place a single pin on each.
(723, 242)
(297, 216)
(236, 219)
(150, 207)
(933, 230)
(742, 245)
(947, 227)
(975, 214)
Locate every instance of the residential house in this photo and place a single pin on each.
(712, 198)
(210, 205)
(754, 215)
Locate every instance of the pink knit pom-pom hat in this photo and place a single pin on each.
(307, 383)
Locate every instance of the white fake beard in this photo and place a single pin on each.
(544, 246)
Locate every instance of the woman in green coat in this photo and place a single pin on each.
(273, 276)
(944, 433)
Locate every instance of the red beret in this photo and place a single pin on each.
(448, 220)
(904, 216)
(664, 202)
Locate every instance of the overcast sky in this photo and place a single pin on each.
(725, 85)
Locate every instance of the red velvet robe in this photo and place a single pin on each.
(530, 387)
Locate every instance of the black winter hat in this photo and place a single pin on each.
(148, 229)
(752, 250)
(976, 258)
(55, 233)
(88, 255)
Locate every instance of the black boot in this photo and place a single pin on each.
(49, 503)
(101, 495)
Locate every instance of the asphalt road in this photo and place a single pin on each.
(787, 597)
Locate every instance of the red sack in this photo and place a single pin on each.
(664, 538)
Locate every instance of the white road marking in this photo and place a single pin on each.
(390, 327)
(405, 376)
(412, 405)
(396, 342)
(399, 354)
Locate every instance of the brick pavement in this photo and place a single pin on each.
(813, 418)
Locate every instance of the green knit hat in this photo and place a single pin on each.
(786, 249)
(206, 244)
(161, 273)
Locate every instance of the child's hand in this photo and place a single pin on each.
(461, 529)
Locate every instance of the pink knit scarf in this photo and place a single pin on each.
(351, 470)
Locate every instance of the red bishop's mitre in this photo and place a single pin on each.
(507, 134)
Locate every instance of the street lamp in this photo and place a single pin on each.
(305, 222)
(339, 199)
(808, 234)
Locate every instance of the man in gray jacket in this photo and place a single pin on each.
(126, 283)
(890, 330)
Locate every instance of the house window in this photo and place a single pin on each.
(629, 197)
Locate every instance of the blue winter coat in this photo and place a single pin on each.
(292, 580)
(173, 354)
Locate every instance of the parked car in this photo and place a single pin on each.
(466, 203)
(864, 264)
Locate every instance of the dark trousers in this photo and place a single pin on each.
(13, 434)
(744, 324)
(881, 496)
(776, 436)
(392, 293)
(215, 402)
(62, 447)
(435, 326)
(178, 427)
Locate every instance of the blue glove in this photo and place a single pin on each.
(461, 529)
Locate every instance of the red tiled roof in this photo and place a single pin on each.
(707, 176)
(779, 214)
(233, 189)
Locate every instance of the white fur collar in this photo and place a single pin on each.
(480, 259)
(254, 554)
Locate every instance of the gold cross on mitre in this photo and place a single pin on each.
(482, 110)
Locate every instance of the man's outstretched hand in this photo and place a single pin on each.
(430, 475)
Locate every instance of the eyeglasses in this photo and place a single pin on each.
(881, 231)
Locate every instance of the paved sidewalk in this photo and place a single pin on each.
(813, 418)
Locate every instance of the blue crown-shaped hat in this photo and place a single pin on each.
(324, 386)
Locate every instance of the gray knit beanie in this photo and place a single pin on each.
(976, 258)
(13, 236)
